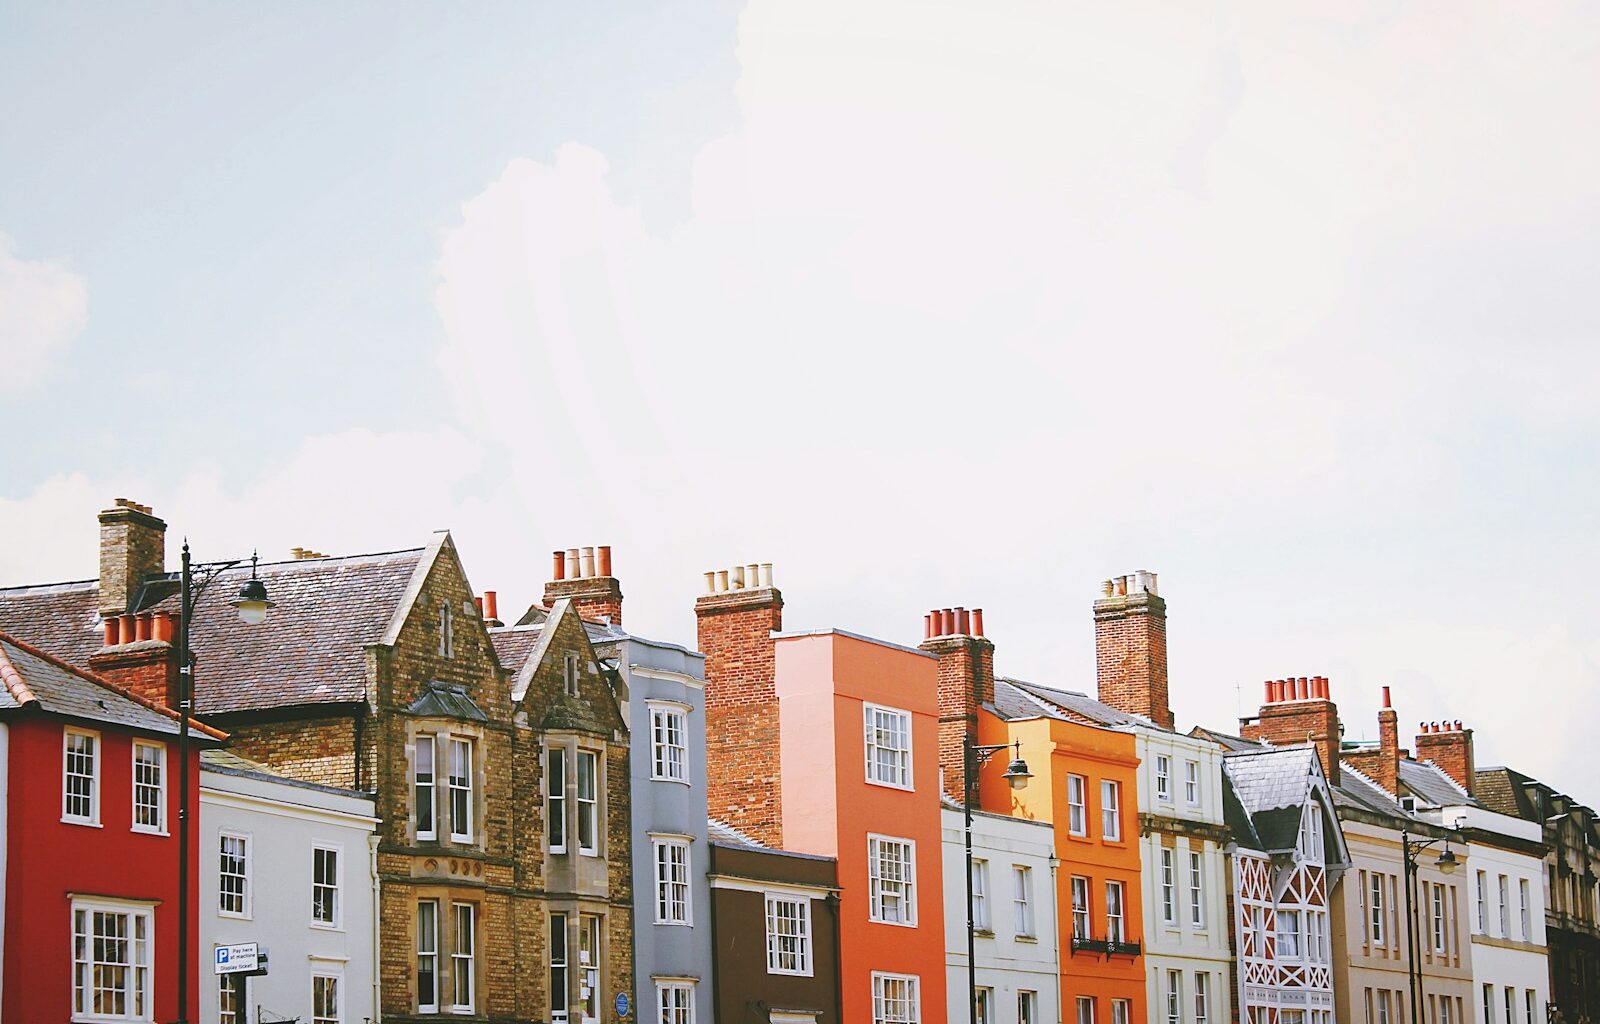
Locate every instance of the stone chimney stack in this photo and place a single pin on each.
(1449, 746)
(1299, 711)
(966, 683)
(1130, 647)
(133, 546)
(735, 620)
(584, 575)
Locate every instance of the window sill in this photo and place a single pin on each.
(1034, 939)
(789, 974)
(894, 924)
(232, 915)
(149, 831)
(983, 933)
(86, 823)
(323, 926)
(891, 785)
(675, 924)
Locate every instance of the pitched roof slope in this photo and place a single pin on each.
(311, 649)
(1018, 698)
(34, 679)
(1431, 784)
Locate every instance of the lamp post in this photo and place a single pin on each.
(1018, 775)
(1412, 849)
(252, 604)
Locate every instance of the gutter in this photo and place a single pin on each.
(377, 962)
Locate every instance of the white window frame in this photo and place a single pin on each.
(324, 974)
(1111, 810)
(430, 743)
(247, 893)
(337, 924)
(464, 790)
(1522, 909)
(463, 964)
(1174, 997)
(1505, 906)
(1169, 886)
(227, 992)
(1022, 901)
(876, 844)
(985, 1005)
(589, 807)
(776, 953)
(1436, 914)
(1202, 997)
(1084, 1009)
(1191, 783)
(428, 951)
(1027, 1006)
(1377, 910)
(555, 800)
(1311, 847)
(1077, 810)
(881, 980)
(669, 760)
(97, 751)
(897, 774)
(1163, 777)
(1116, 923)
(560, 964)
(1082, 921)
(1483, 902)
(1290, 939)
(141, 978)
(980, 895)
(674, 899)
(160, 827)
(1121, 1010)
(668, 1010)
(1197, 891)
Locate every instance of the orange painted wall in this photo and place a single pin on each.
(823, 681)
(1054, 749)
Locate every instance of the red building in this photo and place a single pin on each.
(88, 846)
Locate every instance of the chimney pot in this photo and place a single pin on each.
(572, 564)
(736, 577)
(722, 580)
(604, 558)
(126, 630)
(558, 565)
(977, 622)
(1108, 589)
(711, 582)
(491, 602)
(963, 622)
(1386, 698)
(1458, 725)
(111, 632)
(477, 602)
(163, 627)
(586, 562)
(1270, 692)
(766, 575)
(927, 627)
(142, 624)
(752, 575)
(1122, 586)
(948, 622)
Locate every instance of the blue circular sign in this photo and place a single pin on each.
(622, 1004)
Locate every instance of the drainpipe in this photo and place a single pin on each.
(838, 968)
(377, 961)
(1055, 862)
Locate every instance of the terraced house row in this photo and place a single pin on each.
(416, 811)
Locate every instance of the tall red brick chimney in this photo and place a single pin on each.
(1449, 746)
(966, 683)
(735, 620)
(1381, 765)
(584, 575)
(1299, 711)
(133, 546)
(1130, 647)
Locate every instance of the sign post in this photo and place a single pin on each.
(238, 962)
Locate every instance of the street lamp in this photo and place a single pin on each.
(1016, 773)
(252, 604)
(1412, 849)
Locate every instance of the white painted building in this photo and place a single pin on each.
(1014, 916)
(1505, 900)
(1184, 873)
(288, 865)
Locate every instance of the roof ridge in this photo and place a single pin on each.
(1436, 766)
(101, 681)
(15, 684)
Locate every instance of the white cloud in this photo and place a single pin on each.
(43, 307)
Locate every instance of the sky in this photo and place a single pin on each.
(927, 303)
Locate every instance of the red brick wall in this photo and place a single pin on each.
(597, 598)
(742, 738)
(148, 668)
(1130, 653)
(1300, 721)
(966, 682)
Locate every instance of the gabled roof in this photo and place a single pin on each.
(1273, 786)
(34, 680)
(311, 649)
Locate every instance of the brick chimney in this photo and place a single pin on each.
(1381, 765)
(966, 683)
(1130, 647)
(1299, 711)
(735, 620)
(141, 655)
(133, 546)
(584, 575)
(1449, 746)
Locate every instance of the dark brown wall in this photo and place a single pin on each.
(745, 992)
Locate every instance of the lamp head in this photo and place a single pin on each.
(1017, 771)
(252, 601)
(1447, 861)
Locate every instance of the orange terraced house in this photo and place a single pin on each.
(1084, 780)
(854, 724)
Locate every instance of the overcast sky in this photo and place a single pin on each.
(926, 303)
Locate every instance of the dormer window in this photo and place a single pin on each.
(446, 632)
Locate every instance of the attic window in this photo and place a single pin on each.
(571, 674)
(1408, 803)
(446, 639)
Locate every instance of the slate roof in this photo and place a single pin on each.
(1018, 698)
(1227, 741)
(721, 832)
(1502, 790)
(1429, 783)
(226, 762)
(1236, 817)
(514, 644)
(1270, 778)
(35, 680)
(311, 649)
(445, 700)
